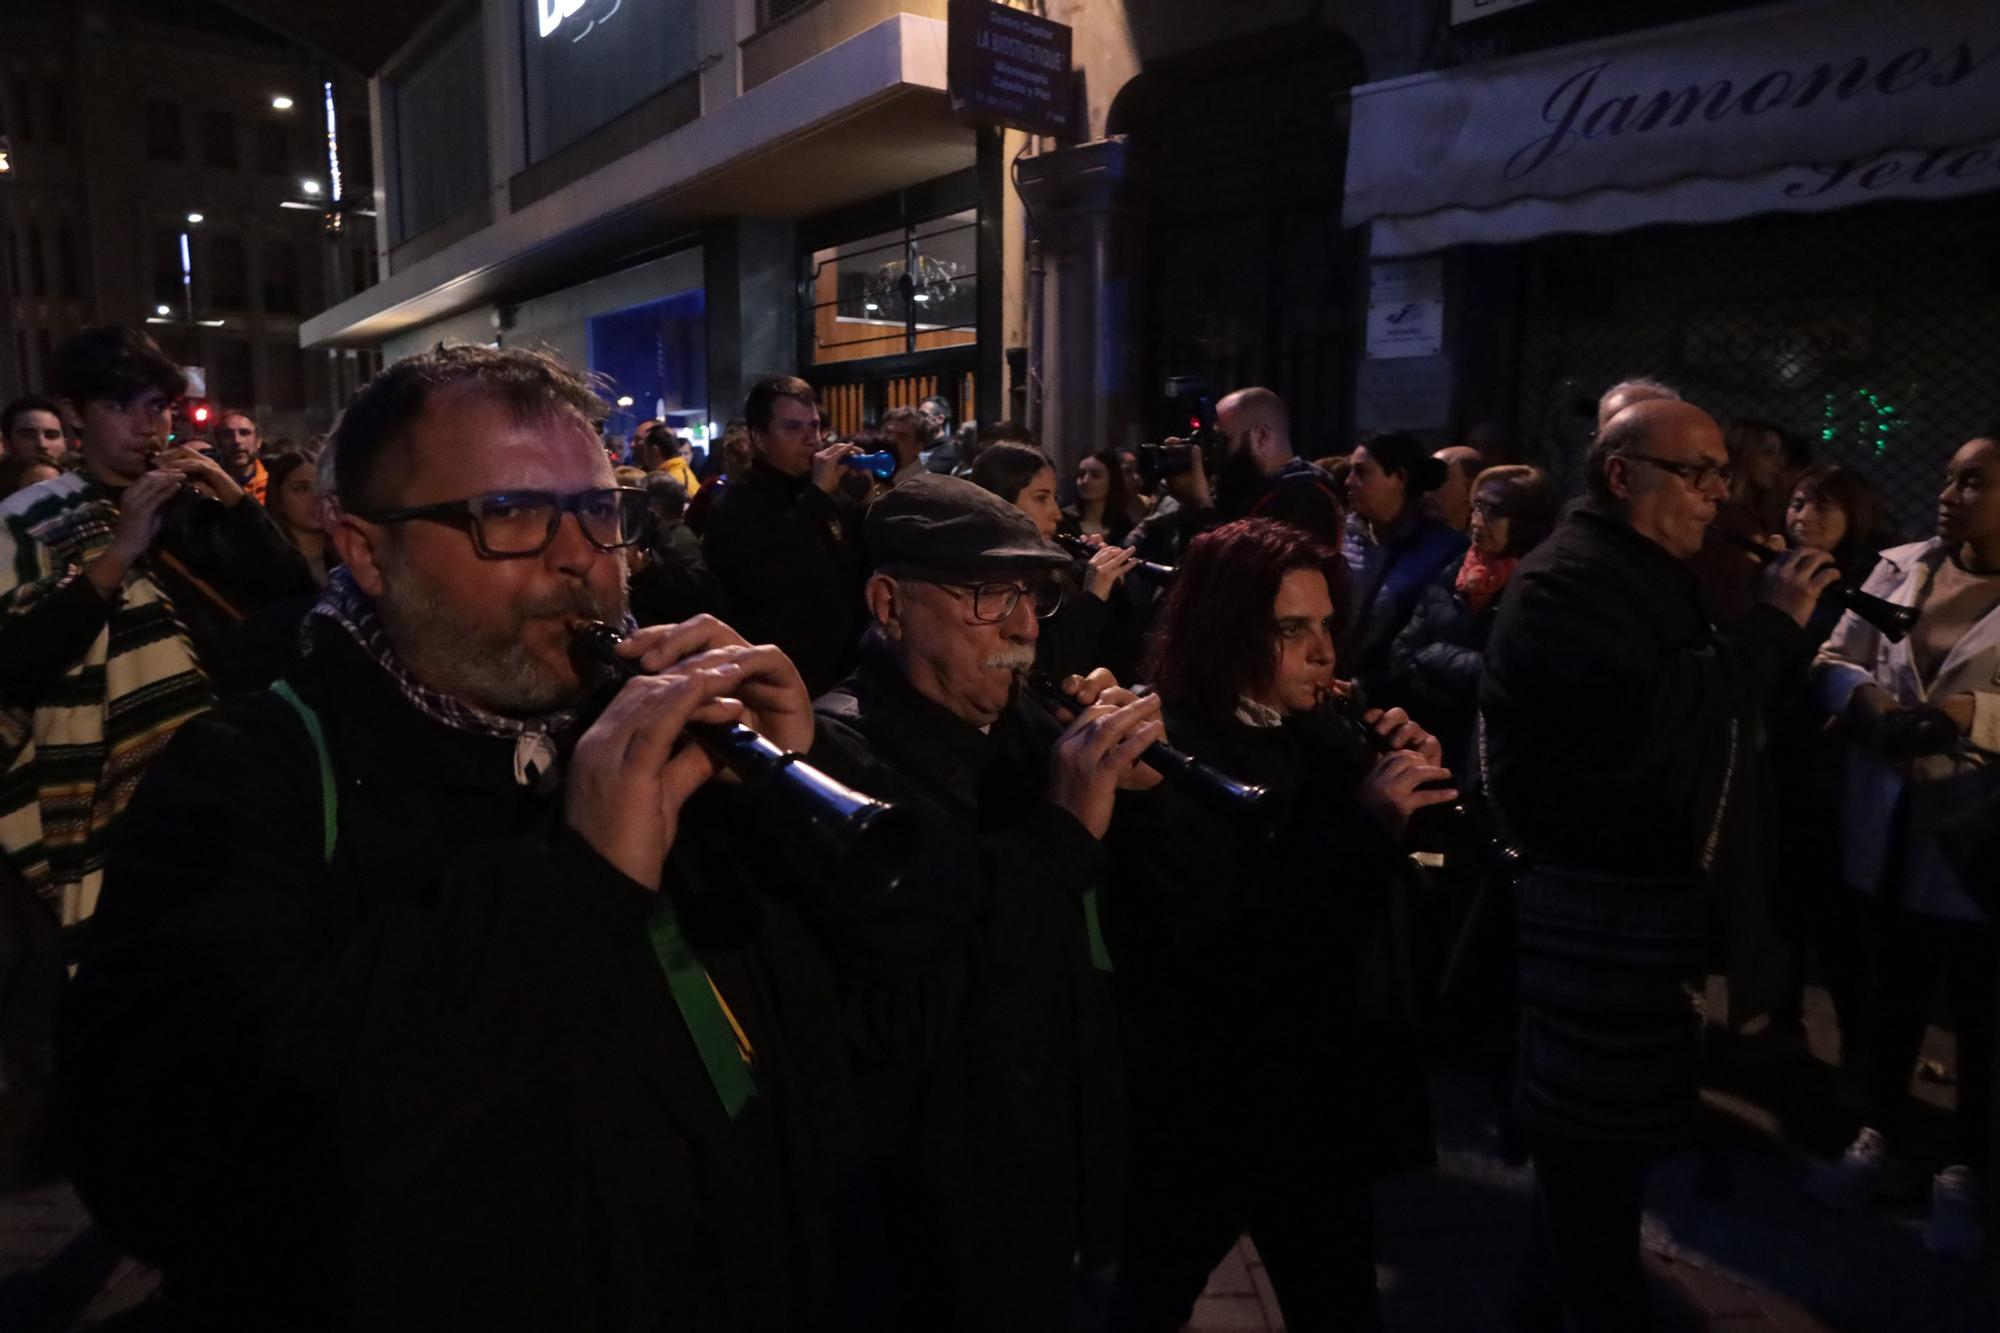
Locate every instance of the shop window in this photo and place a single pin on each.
(440, 148)
(163, 132)
(588, 68)
(228, 279)
(68, 283)
(281, 278)
(362, 274)
(58, 111)
(274, 149)
(218, 140)
(657, 355)
(909, 290)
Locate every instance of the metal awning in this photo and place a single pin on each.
(1800, 107)
(363, 35)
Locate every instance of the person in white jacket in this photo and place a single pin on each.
(1923, 718)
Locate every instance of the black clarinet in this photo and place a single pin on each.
(1246, 801)
(1893, 619)
(1083, 551)
(1457, 825)
(873, 841)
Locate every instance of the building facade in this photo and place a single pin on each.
(156, 181)
(1308, 194)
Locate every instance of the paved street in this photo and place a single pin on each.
(1733, 1245)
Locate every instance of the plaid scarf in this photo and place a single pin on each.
(535, 739)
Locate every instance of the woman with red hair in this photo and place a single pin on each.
(1269, 1084)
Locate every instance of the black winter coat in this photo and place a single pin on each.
(790, 560)
(981, 1034)
(1264, 985)
(437, 1081)
(1608, 699)
(1436, 663)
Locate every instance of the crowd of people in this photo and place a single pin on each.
(429, 971)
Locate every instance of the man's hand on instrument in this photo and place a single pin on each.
(774, 696)
(1098, 753)
(1794, 581)
(1101, 686)
(631, 774)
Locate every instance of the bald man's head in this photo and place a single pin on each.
(1259, 413)
(1627, 392)
(1662, 464)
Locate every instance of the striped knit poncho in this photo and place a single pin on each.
(91, 689)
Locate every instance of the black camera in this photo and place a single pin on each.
(1158, 462)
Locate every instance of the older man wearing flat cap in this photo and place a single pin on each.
(978, 1018)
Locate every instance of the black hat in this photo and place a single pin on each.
(938, 524)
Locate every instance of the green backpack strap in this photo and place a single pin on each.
(329, 794)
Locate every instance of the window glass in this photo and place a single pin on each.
(281, 278)
(274, 149)
(901, 291)
(585, 68)
(228, 279)
(441, 134)
(163, 132)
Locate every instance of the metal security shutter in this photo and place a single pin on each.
(1873, 333)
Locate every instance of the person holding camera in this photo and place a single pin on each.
(1923, 718)
(120, 587)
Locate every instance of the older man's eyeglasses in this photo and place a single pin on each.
(522, 523)
(994, 602)
(1697, 475)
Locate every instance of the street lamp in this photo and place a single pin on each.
(163, 310)
(195, 219)
(310, 187)
(281, 103)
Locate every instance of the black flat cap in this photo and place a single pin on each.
(935, 523)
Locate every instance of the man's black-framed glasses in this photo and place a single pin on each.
(994, 602)
(1697, 475)
(523, 523)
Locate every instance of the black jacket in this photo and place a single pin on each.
(1437, 660)
(439, 1081)
(790, 560)
(980, 1031)
(675, 584)
(1264, 984)
(1608, 699)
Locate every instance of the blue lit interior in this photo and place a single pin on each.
(655, 354)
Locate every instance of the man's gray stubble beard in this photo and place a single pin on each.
(452, 654)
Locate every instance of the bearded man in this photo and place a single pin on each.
(476, 1020)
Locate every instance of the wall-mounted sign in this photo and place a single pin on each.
(1406, 308)
(1409, 393)
(1009, 67)
(1464, 11)
(552, 15)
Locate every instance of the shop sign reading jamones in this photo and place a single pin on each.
(1798, 107)
(1008, 67)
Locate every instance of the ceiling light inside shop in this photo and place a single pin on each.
(281, 103)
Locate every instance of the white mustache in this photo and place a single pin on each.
(1017, 658)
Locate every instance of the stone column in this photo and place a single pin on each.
(1084, 259)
